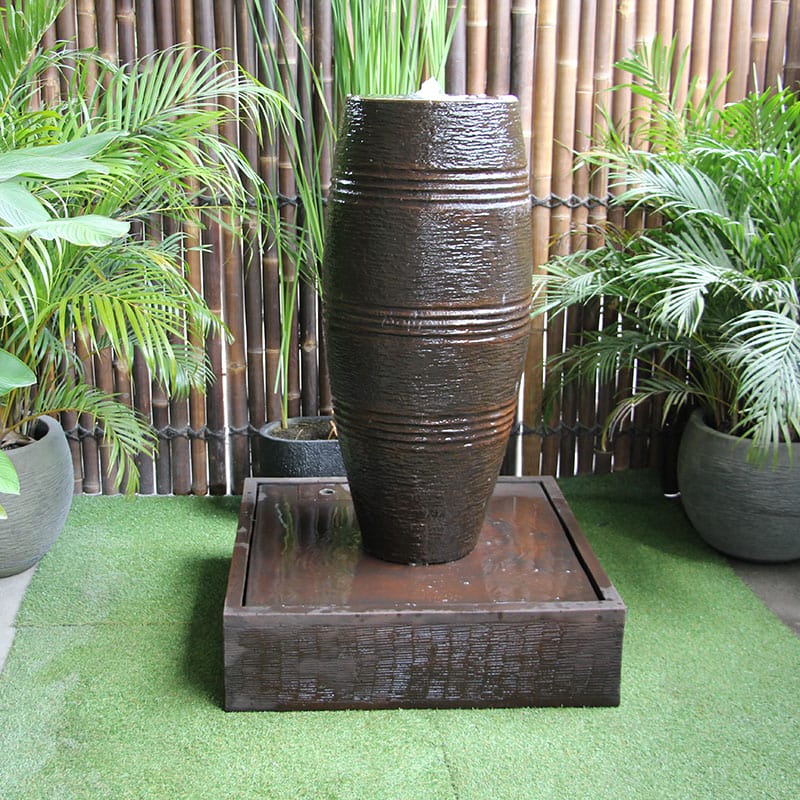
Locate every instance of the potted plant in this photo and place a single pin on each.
(704, 303)
(373, 54)
(77, 174)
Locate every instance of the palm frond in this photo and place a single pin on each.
(765, 349)
(21, 32)
(125, 431)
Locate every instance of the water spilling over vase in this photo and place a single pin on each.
(427, 281)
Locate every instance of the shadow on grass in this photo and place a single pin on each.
(631, 507)
(203, 662)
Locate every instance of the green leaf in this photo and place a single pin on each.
(9, 480)
(89, 230)
(57, 161)
(18, 207)
(14, 374)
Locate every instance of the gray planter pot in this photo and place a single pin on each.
(745, 511)
(37, 515)
(285, 454)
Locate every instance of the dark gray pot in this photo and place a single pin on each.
(36, 516)
(284, 456)
(745, 511)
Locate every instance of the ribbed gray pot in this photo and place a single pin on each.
(746, 511)
(36, 516)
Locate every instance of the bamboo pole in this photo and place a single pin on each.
(66, 26)
(778, 31)
(51, 87)
(163, 455)
(145, 26)
(566, 76)
(104, 380)
(541, 169)
(89, 445)
(456, 68)
(740, 63)
(176, 413)
(701, 38)
(584, 113)
(759, 44)
(666, 20)
(621, 108)
(87, 33)
(477, 28)
(106, 29)
(145, 40)
(308, 301)
(126, 30)
(124, 388)
(598, 185)
(143, 404)
(92, 459)
(683, 31)
(232, 273)
(174, 23)
(268, 170)
(646, 21)
(69, 421)
(152, 400)
(253, 289)
(216, 444)
(791, 72)
(178, 23)
(287, 186)
(718, 57)
(498, 80)
(323, 59)
(523, 37)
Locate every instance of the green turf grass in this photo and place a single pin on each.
(113, 687)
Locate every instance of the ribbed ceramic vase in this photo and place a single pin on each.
(427, 281)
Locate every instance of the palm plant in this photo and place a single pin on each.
(381, 47)
(104, 158)
(705, 303)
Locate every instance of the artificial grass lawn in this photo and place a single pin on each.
(113, 688)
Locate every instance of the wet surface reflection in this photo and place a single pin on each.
(306, 554)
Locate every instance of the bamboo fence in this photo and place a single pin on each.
(557, 57)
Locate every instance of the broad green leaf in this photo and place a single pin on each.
(89, 230)
(56, 161)
(14, 374)
(18, 207)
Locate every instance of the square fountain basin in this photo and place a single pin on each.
(529, 618)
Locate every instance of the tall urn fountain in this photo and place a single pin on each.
(426, 282)
(427, 286)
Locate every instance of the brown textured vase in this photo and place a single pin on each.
(427, 281)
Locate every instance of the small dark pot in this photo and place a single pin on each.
(290, 454)
(744, 510)
(36, 516)
(427, 283)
